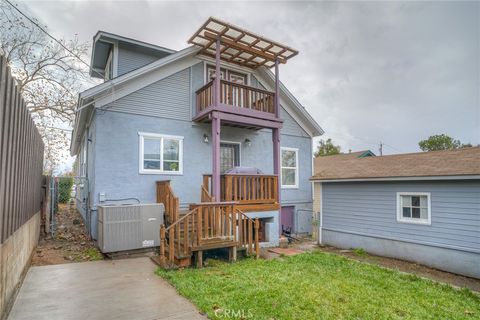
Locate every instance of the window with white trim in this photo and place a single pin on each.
(161, 154)
(289, 166)
(414, 207)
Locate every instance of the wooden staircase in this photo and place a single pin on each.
(205, 226)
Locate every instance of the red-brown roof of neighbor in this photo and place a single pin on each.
(457, 162)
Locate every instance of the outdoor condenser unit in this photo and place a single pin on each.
(128, 227)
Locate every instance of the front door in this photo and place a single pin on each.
(286, 218)
(229, 156)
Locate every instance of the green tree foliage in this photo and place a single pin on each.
(64, 188)
(326, 148)
(441, 142)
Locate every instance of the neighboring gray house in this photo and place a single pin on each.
(147, 122)
(422, 207)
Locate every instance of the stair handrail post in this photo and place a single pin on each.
(257, 247)
(162, 245)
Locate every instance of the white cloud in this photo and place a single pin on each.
(367, 71)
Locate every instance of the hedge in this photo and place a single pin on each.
(64, 188)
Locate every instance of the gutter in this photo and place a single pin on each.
(408, 178)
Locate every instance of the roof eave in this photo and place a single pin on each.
(400, 178)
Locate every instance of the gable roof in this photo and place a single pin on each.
(103, 42)
(125, 84)
(449, 163)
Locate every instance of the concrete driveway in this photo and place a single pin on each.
(118, 289)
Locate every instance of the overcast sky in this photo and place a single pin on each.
(367, 71)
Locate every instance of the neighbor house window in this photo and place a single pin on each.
(289, 174)
(414, 207)
(161, 154)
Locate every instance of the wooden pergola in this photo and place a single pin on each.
(239, 46)
(232, 44)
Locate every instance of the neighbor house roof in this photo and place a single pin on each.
(449, 163)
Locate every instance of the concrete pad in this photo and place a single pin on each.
(119, 289)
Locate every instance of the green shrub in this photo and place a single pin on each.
(64, 188)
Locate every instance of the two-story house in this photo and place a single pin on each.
(164, 115)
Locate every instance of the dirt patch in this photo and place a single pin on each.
(71, 242)
(400, 265)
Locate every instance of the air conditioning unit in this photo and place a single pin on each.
(129, 227)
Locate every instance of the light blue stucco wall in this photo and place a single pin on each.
(364, 214)
(117, 158)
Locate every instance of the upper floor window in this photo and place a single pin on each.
(414, 207)
(289, 174)
(161, 154)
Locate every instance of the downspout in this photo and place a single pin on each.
(88, 215)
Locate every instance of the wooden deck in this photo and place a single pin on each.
(206, 226)
(250, 192)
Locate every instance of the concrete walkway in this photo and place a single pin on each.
(118, 289)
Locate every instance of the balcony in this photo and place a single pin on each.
(250, 192)
(237, 100)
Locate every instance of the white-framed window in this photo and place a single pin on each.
(160, 154)
(289, 167)
(414, 207)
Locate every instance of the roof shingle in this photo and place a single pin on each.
(457, 162)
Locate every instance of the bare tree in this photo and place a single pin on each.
(49, 76)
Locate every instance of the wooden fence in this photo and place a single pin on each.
(21, 158)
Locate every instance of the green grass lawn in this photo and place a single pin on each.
(318, 285)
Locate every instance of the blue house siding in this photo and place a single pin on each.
(364, 214)
(131, 58)
(167, 98)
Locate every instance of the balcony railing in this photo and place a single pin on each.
(246, 190)
(236, 95)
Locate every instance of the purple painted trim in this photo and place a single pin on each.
(277, 90)
(216, 128)
(247, 112)
(237, 111)
(216, 100)
(276, 158)
(238, 119)
(216, 155)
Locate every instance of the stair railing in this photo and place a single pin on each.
(205, 222)
(166, 196)
(171, 238)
